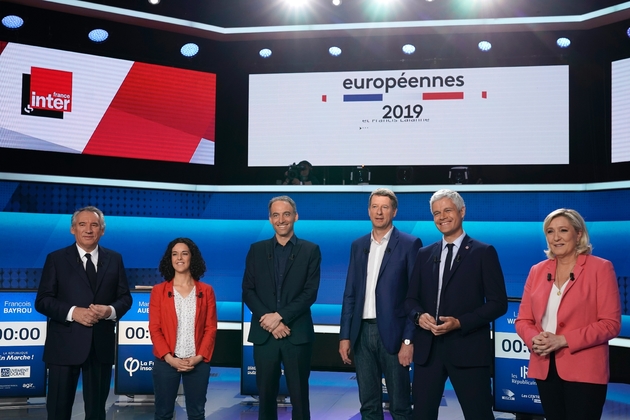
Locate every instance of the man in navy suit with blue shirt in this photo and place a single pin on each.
(456, 291)
(374, 325)
(83, 292)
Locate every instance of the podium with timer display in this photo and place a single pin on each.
(22, 338)
(134, 356)
(514, 392)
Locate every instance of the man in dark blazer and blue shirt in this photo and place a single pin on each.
(374, 325)
(83, 292)
(280, 284)
(457, 289)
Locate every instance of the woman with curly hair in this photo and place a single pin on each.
(183, 327)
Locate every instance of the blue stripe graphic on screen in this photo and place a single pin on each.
(376, 97)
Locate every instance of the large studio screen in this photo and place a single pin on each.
(62, 101)
(620, 110)
(473, 116)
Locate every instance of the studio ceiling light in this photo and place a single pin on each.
(98, 35)
(12, 21)
(563, 42)
(484, 46)
(408, 49)
(189, 50)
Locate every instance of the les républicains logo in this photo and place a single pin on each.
(46, 93)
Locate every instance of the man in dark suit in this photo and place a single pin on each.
(456, 291)
(373, 322)
(83, 292)
(279, 286)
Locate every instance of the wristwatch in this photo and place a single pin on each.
(416, 319)
(407, 342)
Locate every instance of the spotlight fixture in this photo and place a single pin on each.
(189, 50)
(12, 21)
(154, 2)
(265, 53)
(484, 46)
(563, 42)
(98, 35)
(627, 32)
(336, 2)
(408, 49)
(334, 51)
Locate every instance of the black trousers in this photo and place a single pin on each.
(564, 400)
(472, 386)
(296, 360)
(62, 388)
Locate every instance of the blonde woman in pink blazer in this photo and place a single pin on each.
(570, 309)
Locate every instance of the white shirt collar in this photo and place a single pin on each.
(457, 242)
(385, 237)
(82, 252)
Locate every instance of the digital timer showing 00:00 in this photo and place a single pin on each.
(516, 346)
(134, 332)
(22, 333)
(137, 333)
(510, 346)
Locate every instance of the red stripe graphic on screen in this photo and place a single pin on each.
(436, 96)
(51, 90)
(158, 113)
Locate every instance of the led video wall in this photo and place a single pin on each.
(60, 101)
(620, 111)
(472, 116)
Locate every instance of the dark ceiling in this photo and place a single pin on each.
(260, 19)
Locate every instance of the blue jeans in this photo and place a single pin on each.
(372, 361)
(166, 383)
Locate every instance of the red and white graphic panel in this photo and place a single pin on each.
(61, 101)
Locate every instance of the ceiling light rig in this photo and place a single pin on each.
(265, 53)
(563, 42)
(484, 46)
(12, 22)
(408, 49)
(189, 50)
(98, 35)
(334, 51)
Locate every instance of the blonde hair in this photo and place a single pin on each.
(583, 244)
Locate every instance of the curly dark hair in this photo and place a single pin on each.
(197, 264)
